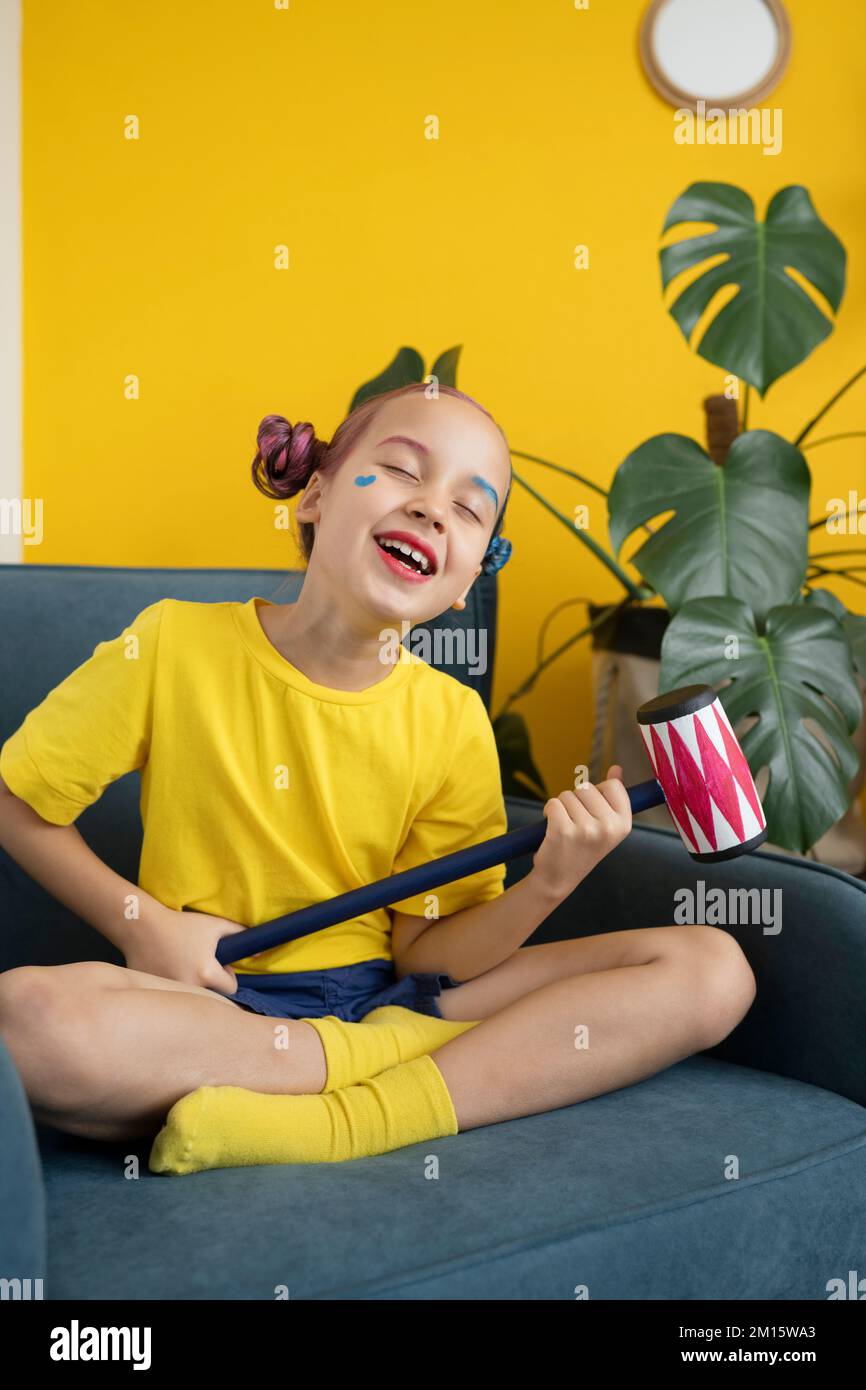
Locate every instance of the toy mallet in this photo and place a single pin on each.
(700, 774)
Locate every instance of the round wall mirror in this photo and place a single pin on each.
(723, 52)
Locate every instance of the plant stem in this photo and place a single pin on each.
(822, 520)
(557, 608)
(570, 473)
(634, 591)
(843, 574)
(807, 429)
(831, 438)
(745, 425)
(542, 665)
(558, 468)
(830, 554)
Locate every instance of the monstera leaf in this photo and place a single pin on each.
(771, 324)
(445, 367)
(740, 530)
(853, 625)
(406, 367)
(799, 668)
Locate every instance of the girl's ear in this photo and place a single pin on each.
(310, 497)
(460, 603)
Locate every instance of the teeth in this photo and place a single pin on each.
(406, 549)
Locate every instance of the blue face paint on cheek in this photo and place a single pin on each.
(362, 481)
(482, 482)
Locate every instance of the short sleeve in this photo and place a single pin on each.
(467, 809)
(91, 728)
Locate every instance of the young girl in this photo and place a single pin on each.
(289, 753)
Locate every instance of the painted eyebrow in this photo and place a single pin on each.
(425, 453)
(404, 439)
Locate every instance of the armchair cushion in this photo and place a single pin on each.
(22, 1193)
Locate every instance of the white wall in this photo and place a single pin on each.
(10, 268)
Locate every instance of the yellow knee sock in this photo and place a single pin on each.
(384, 1038)
(228, 1127)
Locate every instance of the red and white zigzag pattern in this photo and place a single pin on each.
(709, 789)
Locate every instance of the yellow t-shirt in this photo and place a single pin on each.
(262, 791)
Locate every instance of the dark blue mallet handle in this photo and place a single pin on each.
(419, 879)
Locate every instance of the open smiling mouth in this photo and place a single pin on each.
(404, 561)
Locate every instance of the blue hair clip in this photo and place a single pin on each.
(498, 553)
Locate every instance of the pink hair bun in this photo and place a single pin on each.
(287, 455)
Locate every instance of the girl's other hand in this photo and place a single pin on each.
(182, 946)
(582, 827)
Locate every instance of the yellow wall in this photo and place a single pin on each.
(261, 126)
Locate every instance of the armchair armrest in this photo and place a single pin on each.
(22, 1192)
(808, 1020)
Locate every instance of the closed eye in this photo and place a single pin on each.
(394, 468)
(406, 474)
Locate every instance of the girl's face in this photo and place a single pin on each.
(428, 474)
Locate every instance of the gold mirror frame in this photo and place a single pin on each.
(750, 97)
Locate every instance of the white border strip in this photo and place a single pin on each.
(11, 470)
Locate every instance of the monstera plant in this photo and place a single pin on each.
(728, 549)
(731, 563)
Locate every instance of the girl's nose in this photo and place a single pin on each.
(429, 506)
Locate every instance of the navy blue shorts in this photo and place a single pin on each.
(348, 991)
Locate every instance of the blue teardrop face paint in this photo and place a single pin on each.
(482, 482)
(362, 481)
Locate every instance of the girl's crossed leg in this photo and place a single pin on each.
(105, 1051)
(615, 1009)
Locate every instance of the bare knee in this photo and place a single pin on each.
(23, 989)
(36, 993)
(43, 1022)
(26, 986)
(721, 981)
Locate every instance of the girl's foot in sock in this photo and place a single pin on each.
(227, 1126)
